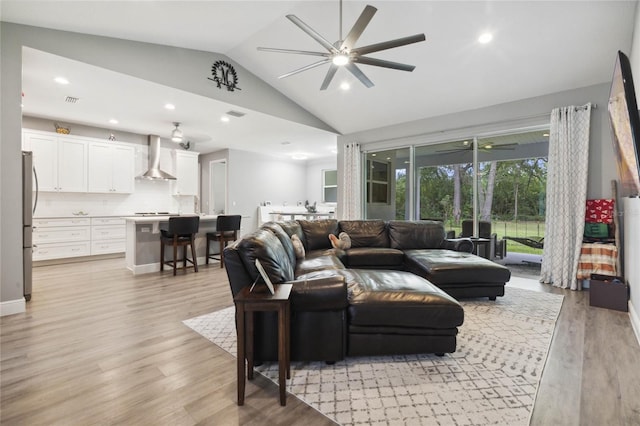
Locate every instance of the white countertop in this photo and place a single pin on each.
(164, 218)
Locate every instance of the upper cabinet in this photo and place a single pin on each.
(111, 168)
(186, 173)
(68, 163)
(60, 162)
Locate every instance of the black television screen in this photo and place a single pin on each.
(625, 124)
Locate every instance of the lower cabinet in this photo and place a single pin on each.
(107, 235)
(59, 238)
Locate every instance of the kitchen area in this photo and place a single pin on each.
(93, 198)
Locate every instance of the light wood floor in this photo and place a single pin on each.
(100, 346)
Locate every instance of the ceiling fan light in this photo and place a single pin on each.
(340, 59)
(176, 134)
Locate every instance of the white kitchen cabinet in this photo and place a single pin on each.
(58, 238)
(186, 173)
(107, 235)
(60, 161)
(61, 238)
(111, 168)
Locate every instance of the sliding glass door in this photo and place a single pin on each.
(386, 184)
(512, 186)
(477, 186)
(444, 181)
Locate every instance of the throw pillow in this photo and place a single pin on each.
(342, 241)
(298, 247)
(345, 239)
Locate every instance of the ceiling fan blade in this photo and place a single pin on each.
(389, 44)
(307, 67)
(358, 27)
(327, 79)
(312, 33)
(382, 63)
(359, 74)
(298, 52)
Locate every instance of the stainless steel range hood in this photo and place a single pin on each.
(154, 172)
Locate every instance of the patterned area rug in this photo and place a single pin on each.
(491, 379)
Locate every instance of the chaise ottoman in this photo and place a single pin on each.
(394, 312)
(459, 274)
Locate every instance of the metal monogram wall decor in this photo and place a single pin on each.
(223, 74)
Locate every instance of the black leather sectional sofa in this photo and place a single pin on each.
(392, 292)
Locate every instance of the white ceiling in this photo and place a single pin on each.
(538, 48)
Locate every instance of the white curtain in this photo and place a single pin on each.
(566, 195)
(350, 205)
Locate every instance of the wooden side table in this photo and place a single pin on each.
(260, 301)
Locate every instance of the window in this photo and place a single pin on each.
(330, 186)
(377, 182)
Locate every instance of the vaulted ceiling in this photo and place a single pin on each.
(537, 48)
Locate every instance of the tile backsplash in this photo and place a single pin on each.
(149, 196)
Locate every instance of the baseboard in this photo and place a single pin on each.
(11, 307)
(635, 320)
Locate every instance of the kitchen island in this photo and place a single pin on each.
(142, 251)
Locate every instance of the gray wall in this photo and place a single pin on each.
(255, 178)
(512, 115)
(175, 67)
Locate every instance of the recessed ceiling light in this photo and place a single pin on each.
(465, 143)
(299, 157)
(169, 106)
(345, 86)
(113, 121)
(373, 155)
(546, 135)
(61, 80)
(488, 146)
(485, 38)
(224, 118)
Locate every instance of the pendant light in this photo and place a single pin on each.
(176, 134)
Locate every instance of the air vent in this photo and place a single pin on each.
(236, 113)
(71, 99)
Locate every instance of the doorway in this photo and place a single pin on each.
(217, 187)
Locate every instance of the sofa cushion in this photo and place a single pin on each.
(375, 257)
(284, 238)
(452, 267)
(315, 262)
(366, 233)
(419, 234)
(264, 245)
(385, 298)
(292, 227)
(316, 233)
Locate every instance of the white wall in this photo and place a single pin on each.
(255, 178)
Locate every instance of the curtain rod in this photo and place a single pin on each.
(593, 106)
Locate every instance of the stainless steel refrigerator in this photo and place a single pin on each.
(29, 203)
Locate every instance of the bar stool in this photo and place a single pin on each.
(181, 232)
(227, 227)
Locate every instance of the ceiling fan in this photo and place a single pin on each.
(343, 52)
(486, 147)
